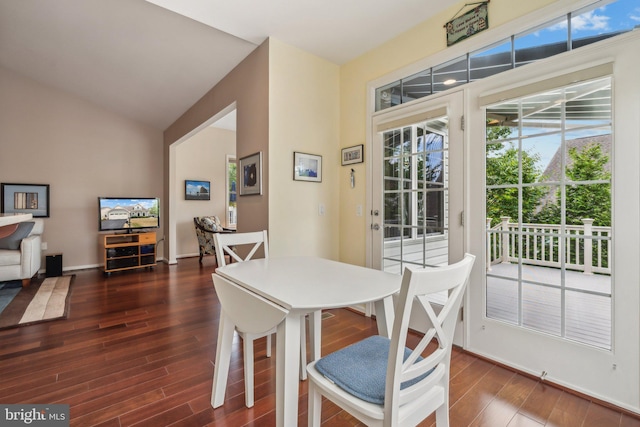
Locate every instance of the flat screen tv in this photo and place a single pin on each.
(128, 213)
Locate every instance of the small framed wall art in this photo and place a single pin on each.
(250, 175)
(197, 190)
(26, 198)
(307, 167)
(351, 155)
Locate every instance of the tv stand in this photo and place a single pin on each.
(129, 251)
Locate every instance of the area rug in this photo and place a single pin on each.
(42, 300)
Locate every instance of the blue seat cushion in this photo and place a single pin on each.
(361, 368)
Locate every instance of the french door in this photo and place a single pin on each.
(417, 186)
(553, 202)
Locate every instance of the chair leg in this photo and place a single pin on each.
(26, 282)
(314, 406)
(303, 348)
(442, 415)
(248, 370)
(269, 345)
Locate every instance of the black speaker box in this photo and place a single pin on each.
(54, 265)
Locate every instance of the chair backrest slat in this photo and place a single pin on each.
(227, 244)
(417, 285)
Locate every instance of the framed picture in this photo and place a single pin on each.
(197, 190)
(351, 155)
(250, 175)
(26, 198)
(307, 167)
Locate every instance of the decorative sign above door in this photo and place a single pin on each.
(472, 22)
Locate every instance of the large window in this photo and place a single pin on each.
(597, 22)
(232, 206)
(548, 204)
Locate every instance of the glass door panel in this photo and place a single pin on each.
(548, 204)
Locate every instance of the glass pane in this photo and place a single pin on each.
(502, 164)
(594, 24)
(588, 318)
(539, 43)
(542, 158)
(546, 209)
(407, 210)
(591, 201)
(430, 170)
(392, 175)
(542, 113)
(502, 299)
(589, 103)
(489, 61)
(388, 96)
(588, 157)
(502, 202)
(392, 209)
(544, 275)
(407, 135)
(541, 308)
(450, 74)
(416, 86)
(502, 122)
(392, 143)
(430, 211)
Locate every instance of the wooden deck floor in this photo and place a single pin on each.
(587, 316)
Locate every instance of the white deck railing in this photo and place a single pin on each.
(586, 248)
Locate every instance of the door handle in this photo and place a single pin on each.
(375, 226)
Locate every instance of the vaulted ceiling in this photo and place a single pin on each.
(151, 60)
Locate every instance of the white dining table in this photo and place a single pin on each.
(302, 285)
(14, 218)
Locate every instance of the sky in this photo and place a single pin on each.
(616, 16)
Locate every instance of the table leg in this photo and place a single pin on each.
(287, 370)
(384, 316)
(315, 334)
(223, 358)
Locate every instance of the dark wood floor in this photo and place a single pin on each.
(138, 350)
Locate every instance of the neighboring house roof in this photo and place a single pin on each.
(553, 169)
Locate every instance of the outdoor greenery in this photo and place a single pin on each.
(583, 200)
(587, 193)
(587, 200)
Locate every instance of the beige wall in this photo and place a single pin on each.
(286, 100)
(409, 48)
(82, 151)
(248, 86)
(303, 117)
(202, 157)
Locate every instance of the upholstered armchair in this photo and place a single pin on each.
(206, 227)
(20, 252)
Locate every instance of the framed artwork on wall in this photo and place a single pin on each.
(197, 190)
(307, 167)
(26, 198)
(250, 175)
(351, 155)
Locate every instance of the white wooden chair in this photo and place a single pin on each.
(230, 244)
(253, 316)
(381, 381)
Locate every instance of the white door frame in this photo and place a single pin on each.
(612, 376)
